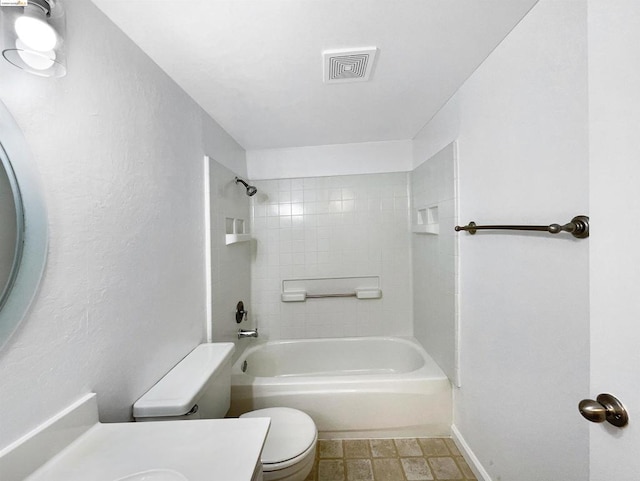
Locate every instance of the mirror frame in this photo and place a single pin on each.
(34, 249)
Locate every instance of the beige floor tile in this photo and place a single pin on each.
(452, 447)
(331, 470)
(464, 467)
(445, 468)
(421, 459)
(330, 448)
(356, 448)
(408, 447)
(387, 469)
(359, 470)
(383, 448)
(416, 469)
(433, 447)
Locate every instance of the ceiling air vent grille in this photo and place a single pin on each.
(348, 65)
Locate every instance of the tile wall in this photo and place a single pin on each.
(340, 226)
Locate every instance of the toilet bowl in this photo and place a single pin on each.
(199, 387)
(290, 448)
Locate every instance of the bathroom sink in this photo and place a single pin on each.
(155, 475)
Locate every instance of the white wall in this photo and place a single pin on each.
(339, 226)
(523, 158)
(325, 160)
(435, 258)
(119, 148)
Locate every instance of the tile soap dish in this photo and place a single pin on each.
(235, 231)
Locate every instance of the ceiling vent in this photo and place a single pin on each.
(348, 65)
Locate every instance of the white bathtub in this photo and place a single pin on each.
(351, 387)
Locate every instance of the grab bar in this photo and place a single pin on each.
(301, 296)
(322, 296)
(578, 227)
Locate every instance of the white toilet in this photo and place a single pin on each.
(199, 387)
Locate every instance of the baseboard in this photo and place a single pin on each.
(472, 460)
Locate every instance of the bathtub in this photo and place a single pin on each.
(352, 387)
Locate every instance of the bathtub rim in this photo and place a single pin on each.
(429, 370)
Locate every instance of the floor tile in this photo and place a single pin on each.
(359, 470)
(356, 448)
(330, 448)
(452, 447)
(387, 469)
(416, 469)
(433, 447)
(383, 448)
(445, 468)
(408, 447)
(411, 459)
(464, 467)
(331, 470)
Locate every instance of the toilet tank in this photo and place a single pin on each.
(199, 386)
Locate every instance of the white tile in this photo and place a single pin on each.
(339, 232)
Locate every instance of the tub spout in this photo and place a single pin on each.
(242, 333)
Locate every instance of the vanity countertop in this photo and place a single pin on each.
(74, 446)
(200, 450)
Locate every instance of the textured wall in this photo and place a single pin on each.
(522, 127)
(120, 150)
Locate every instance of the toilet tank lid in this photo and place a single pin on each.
(177, 392)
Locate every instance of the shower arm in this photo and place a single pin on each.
(238, 179)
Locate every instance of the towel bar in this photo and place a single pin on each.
(578, 227)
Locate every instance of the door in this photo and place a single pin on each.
(614, 137)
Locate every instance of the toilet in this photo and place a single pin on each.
(199, 387)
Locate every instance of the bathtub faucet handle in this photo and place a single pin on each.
(241, 314)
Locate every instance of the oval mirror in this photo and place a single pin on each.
(23, 227)
(11, 226)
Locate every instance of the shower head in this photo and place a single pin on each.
(251, 190)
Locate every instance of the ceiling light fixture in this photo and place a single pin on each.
(33, 36)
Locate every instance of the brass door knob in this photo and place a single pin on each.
(605, 408)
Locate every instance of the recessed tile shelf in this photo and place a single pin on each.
(427, 221)
(235, 231)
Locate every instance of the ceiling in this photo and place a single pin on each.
(256, 65)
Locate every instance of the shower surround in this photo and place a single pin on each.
(326, 227)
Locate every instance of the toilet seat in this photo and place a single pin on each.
(292, 437)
